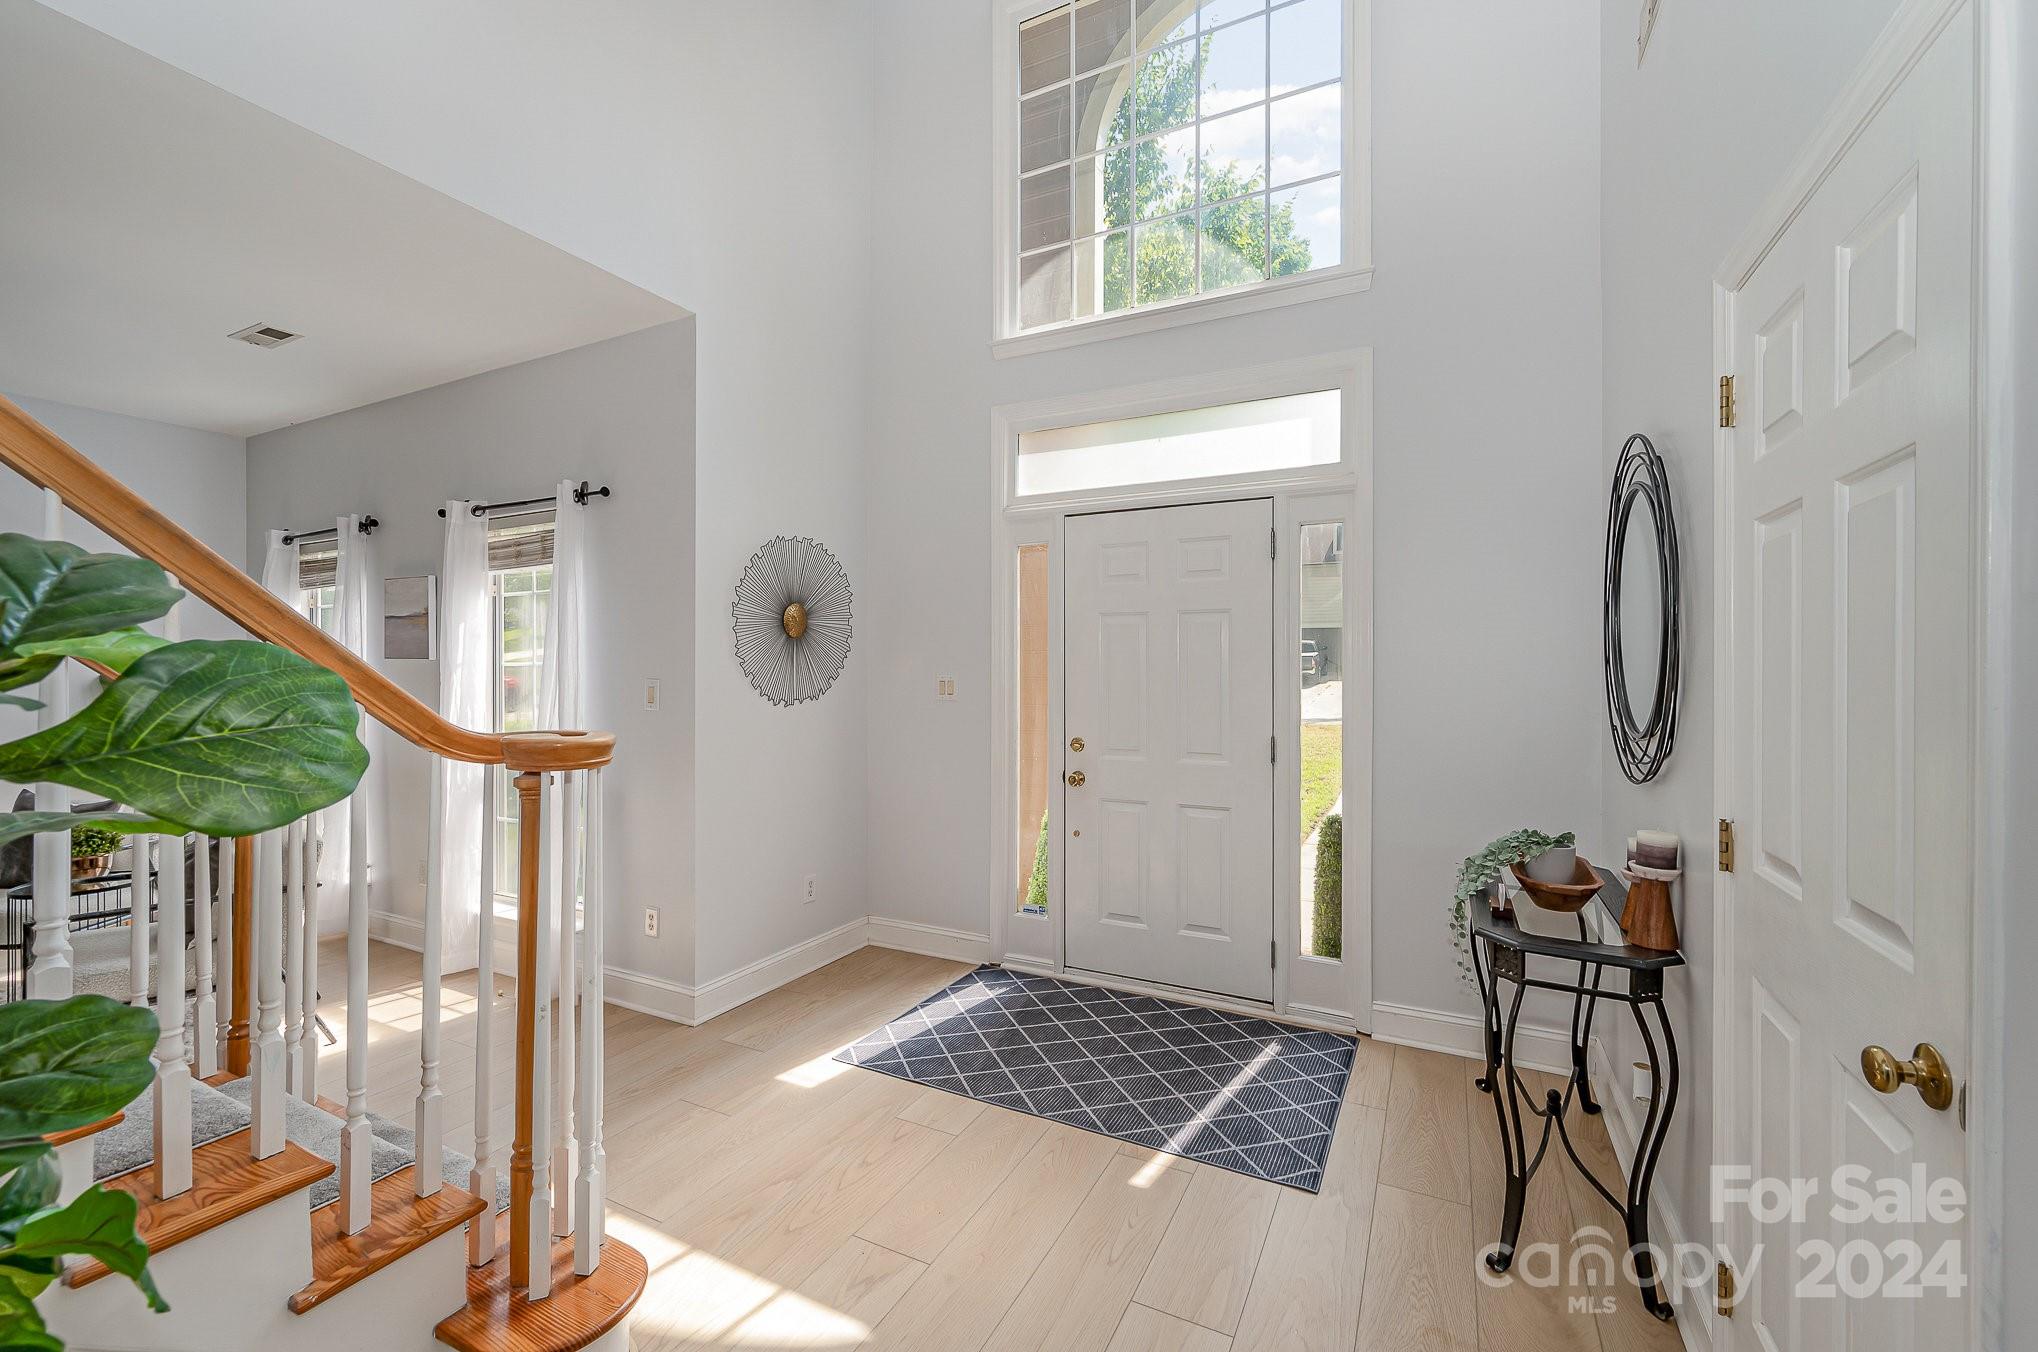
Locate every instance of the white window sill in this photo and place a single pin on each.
(1309, 286)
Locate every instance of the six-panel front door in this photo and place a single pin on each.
(1169, 711)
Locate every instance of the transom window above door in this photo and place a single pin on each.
(1166, 151)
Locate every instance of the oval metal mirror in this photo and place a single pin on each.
(1641, 626)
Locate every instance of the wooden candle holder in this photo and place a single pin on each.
(1648, 917)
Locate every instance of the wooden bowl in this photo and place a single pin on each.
(1566, 897)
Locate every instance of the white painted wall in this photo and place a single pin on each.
(1484, 320)
(617, 413)
(719, 155)
(1694, 140)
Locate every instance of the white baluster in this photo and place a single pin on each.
(49, 972)
(541, 1060)
(356, 1141)
(223, 941)
(590, 1189)
(204, 1049)
(313, 845)
(568, 874)
(293, 956)
(482, 1238)
(173, 1076)
(267, 1062)
(431, 1103)
(140, 893)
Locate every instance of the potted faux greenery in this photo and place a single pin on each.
(92, 850)
(224, 737)
(1482, 870)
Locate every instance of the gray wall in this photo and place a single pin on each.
(1692, 143)
(619, 413)
(1484, 321)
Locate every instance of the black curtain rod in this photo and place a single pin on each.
(580, 496)
(368, 525)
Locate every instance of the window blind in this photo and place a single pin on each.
(523, 540)
(318, 564)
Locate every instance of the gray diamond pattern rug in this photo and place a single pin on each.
(1239, 1092)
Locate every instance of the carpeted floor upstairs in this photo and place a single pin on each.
(220, 1112)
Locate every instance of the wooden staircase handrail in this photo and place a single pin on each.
(46, 460)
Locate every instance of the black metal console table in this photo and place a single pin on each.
(1502, 950)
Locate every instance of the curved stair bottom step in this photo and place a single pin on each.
(583, 1314)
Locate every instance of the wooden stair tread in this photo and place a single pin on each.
(401, 1222)
(579, 1310)
(89, 1129)
(225, 1184)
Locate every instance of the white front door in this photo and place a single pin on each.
(1852, 774)
(1169, 630)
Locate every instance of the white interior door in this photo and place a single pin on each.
(1852, 779)
(1169, 803)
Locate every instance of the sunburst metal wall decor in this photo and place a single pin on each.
(792, 620)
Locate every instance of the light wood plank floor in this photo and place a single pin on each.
(787, 1201)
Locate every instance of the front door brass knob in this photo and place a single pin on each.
(1075, 744)
(1077, 779)
(1926, 1070)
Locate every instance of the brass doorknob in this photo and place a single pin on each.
(1926, 1070)
(1076, 779)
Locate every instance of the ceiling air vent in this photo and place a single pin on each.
(265, 335)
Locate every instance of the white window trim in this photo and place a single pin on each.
(1333, 993)
(1353, 274)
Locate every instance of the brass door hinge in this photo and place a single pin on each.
(1726, 401)
(1726, 845)
(1728, 1290)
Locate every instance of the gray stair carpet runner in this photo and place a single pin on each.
(130, 1144)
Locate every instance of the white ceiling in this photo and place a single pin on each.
(146, 214)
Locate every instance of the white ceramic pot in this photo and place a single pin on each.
(1558, 864)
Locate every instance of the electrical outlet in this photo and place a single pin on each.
(651, 922)
(812, 889)
(651, 693)
(944, 687)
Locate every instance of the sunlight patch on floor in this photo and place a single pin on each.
(697, 1299)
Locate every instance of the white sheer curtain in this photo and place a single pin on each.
(356, 624)
(466, 669)
(279, 571)
(561, 671)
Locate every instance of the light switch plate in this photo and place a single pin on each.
(651, 693)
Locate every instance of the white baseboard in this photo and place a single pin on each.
(1443, 1030)
(647, 994)
(680, 1003)
(933, 941)
(788, 964)
(1666, 1227)
(390, 928)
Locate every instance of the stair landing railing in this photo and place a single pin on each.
(253, 939)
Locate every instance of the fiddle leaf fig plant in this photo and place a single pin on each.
(1482, 868)
(229, 738)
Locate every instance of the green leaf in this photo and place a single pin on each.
(69, 1063)
(30, 1188)
(230, 738)
(116, 649)
(97, 1224)
(21, 1326)
(17, 671)
(14, 825)
(53, 590)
